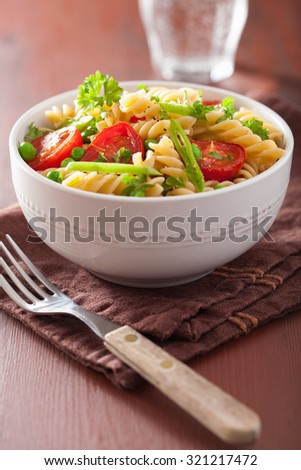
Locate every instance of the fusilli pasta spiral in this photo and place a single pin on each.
(147, 119)
(232, 130)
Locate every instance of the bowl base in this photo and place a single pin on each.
(151, 283)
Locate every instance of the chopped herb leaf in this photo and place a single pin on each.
(123, 154)
(135, 185)
(155, 98)
(200, 109)
(147, 142)
(80, 122)
(228, 108)
(101, 158)
(172, 182)
(142, 87)
(216, 155)
(34, 132)
(98, 89)
(89, 131)
(256, 127)
(164, 114)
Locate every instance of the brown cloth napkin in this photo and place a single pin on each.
(190, 320)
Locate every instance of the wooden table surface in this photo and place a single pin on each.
(48, 401)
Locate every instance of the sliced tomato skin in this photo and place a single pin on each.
(54, 147)
(211, 102)
(135, 119)
(111, 139)
(233, 157)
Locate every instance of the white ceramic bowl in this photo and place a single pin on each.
(157, 241)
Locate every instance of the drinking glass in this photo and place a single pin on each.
(193, 40)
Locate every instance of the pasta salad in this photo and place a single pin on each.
(152, 142)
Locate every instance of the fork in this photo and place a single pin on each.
(222, 414)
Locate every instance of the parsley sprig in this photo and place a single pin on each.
(33, 132)
(228, 109)
(228, 106)
(98, 89)
(256, 127)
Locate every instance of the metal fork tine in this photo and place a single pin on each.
(13, 294)
(17, 281)
(31, 266)
(28, 279)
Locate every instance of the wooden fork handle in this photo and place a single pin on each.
(221, 413)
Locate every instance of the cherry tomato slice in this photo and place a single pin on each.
(54, 147)
(220, 161)
(210, 102)
(134, 119)
(111, 139)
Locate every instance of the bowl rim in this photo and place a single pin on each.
(70, 94)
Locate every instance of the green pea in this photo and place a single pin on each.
(27, 151)
(55, 175)
(219, 186)
(77, 153)
(66, 161)
(149, 141)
